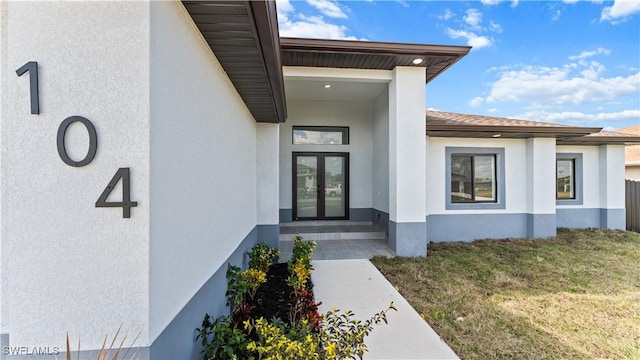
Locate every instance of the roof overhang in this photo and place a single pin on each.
(369, 55)
(603, 138)
(244, 38)
(508, 132)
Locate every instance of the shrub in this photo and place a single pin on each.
(262, 256)
(308, 335)
(222, 340)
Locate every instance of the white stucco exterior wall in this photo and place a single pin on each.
(407, 145)
(358, 117)
(268, 170)
(380, 167)
(590, 175)
(68, 266)
(541, 175)
(203, 164)
(515, 174)
(612, 187)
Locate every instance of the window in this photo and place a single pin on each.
(565, 179)
(568, 179)
(320, 135)
(473, 178)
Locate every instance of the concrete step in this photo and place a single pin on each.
(319, 231)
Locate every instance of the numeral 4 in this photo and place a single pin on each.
(126, 204)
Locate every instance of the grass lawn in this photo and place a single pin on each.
(576, 296)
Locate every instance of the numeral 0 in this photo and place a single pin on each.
(93, 141)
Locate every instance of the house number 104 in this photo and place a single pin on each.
(121, 175)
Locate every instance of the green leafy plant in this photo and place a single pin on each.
(262, 256)
(343, 335)
(221, 340)
(303, 306)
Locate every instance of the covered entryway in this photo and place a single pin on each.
(320, 186)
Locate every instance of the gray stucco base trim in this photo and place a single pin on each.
(355, 214)
(10, 351)
(408, 238)
(613, 219)
(360, 214)
(541, 226)
(581, 218)
(177, 340)
(52, 353)
(270, 234)
(381, 218)
(286, 215)
(578, 218)
(470, 227)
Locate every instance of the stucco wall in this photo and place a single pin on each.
(515, 168)
(68, 266)
(380, 167)
(203, 165)
(358, 117)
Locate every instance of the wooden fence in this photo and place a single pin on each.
(632, 204)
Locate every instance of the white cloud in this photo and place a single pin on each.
(514, 3)
(284, 7)
(495, 27)
(494, 111)
(570, 1)
(620, 11)
(556, 16)
(328, 8)
(473, 39)
(293, 24)
(590, 53)
(473, 18)
(312, 27)
(579, 118)
(573, 83)
(448, 14)
(476, 101)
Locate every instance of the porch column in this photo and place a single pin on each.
(612, 187)
(541, 195)
(407, 162)
(268, 191)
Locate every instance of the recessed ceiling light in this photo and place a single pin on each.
(326, 86)
(496, 135)
(417, 61)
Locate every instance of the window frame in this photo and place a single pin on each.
(337, 129)
(577, 178)
(500, 195)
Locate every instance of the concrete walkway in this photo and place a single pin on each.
(358, 286)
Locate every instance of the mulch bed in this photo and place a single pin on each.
(273, 298)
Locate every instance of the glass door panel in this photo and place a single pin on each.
(320, 186)
(307, 186)
(334, 194)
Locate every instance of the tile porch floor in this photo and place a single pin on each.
(337, 240)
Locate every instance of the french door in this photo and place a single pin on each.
(320, 186)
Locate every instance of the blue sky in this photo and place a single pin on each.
(568, 62)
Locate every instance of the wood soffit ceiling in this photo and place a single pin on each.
(369, 54)
(244, 38)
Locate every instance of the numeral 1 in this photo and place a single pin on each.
(32, 68)
(126, 204)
